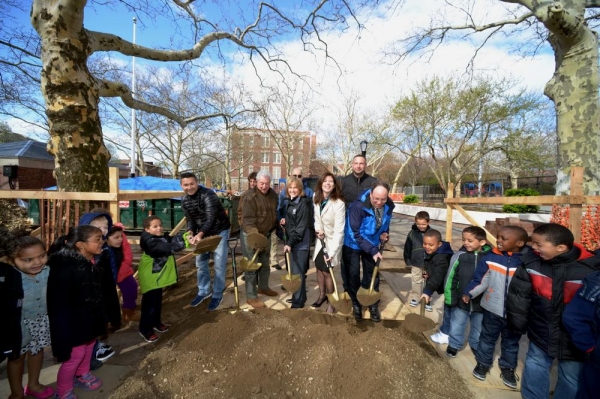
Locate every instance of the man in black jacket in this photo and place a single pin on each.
(206, 217)
(356, 183)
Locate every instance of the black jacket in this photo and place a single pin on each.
(299, 216)
(11, 300)
(204, 212)
(538, 294)
(353, 187)
(76, 301)
(413, 247)
(436, 266)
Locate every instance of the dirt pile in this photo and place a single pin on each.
(300, 353)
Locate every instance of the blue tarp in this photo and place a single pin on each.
(146, 183)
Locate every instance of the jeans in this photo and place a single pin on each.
(446, 319)
(351, 272)
(536, 375)
(257, 278)
(458, 327)
(299, 258)
(494, 326)
(78, 364)
(203, 273)
(151, 310)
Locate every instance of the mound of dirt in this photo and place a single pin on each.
(291, 353)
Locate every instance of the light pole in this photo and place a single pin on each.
(133, 127)
(363, 147)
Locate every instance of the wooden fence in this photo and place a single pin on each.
(575, 200)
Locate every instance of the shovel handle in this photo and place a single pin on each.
(376, 269)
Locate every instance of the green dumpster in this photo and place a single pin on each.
(33, 211)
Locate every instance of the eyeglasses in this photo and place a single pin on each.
(298, 176)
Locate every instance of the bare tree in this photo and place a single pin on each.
(72, 92)
(569, 26)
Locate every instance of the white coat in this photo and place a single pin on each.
(331, 221)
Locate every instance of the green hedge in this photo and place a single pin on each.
(411, 199)
(521, 192)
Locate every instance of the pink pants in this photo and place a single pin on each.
(78, 364)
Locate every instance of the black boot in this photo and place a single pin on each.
(375, 315)
(357, 312)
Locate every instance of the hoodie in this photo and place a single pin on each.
(436, 266)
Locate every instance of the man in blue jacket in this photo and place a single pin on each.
(367, 225)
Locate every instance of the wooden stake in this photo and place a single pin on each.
(449, 194)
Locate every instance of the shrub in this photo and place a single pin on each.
(521, 192)
(411, 199)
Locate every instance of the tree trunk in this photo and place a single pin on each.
(71, 96)
(514, 179)
(574, 91)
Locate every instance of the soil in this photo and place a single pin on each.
(291, 353)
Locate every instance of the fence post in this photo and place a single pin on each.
(576, 210)
(113, 187)
(449, 194)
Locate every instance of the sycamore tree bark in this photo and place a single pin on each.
(574, 86)
(72, 93)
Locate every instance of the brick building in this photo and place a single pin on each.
(256, 149)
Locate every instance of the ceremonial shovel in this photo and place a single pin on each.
(291, 282)
(258, 242)
(341, 302)
(370, 296)
(232, 243)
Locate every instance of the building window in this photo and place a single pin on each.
(265, 157)
(251, 142)
(301, 144)
(277, 158)
(276, 173)
(266, 141)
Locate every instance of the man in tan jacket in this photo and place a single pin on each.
(259, 216)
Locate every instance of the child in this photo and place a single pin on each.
(460, 273)
(491, 278)
(76, 306)
(101, 219)
(120, 261)
(11, 300)
(435, 265)
(413, 254)
(582, 319)
(156, 270)
(28, 255)
(538, 295)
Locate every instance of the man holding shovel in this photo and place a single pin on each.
(259, 216)
(367, 226)
(206, 217)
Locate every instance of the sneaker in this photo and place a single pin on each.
(439, 338)
(95, 364)
(88, 382)
(451, 352)
(43, 394)
(150, 337)
(104, 353)
(413, 303)
(428, 307)
(480, 371)
(276, 267)
(509, 378)
(215, 303)
(199, 299)
(161, 328)
(104, 345)
(67, 395)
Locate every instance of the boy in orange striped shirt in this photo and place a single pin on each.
(491, 279)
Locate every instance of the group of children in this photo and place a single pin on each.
(66, 298)
(546, 286)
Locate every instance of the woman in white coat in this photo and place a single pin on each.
(330, 217)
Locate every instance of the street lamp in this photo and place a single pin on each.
(133, 120)
(363, 147)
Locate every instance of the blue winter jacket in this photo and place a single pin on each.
(360, 232)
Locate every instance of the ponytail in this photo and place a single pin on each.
(75, 235)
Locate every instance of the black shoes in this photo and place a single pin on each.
(451, 352)
(319, 302)
(357, 312)
(480, 371)
(375, 315)
(509, 378)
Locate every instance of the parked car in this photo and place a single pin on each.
(470, 190)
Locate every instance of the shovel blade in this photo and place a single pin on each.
(249, 265)
(341, 302)
(366, 297)
(291, 283)
(417, 323)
